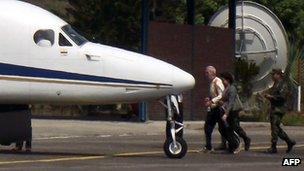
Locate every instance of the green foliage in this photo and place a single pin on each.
(293, 119)
(109, 22)
(289, 119)
(244, 72)
(291, 13)
(207, 8)
(296, 53)
(175, 11)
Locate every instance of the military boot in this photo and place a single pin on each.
(272, 149)
(290, 145)
(247, 142)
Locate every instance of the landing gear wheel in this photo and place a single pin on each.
(177, 151)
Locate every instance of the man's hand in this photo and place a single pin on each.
(268, 96)
(207, 102)
(220, 103)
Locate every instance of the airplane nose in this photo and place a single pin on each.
(182, 81)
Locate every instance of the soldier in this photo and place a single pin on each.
(277, 97)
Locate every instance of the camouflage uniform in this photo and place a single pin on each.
(277, 111)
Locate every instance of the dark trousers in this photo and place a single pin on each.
(213, 117)
(234, 124)
(28, 144)
(276, 130)
(28, 140)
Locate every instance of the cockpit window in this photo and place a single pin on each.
(63, 41)
(77, 38)
(44, 38)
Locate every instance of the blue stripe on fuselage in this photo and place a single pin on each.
(24, 71)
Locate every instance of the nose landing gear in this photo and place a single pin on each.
(175, 146)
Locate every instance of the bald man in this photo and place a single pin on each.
(216, 89)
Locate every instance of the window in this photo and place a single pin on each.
(63, 41)
(44, 38)
(77, 38)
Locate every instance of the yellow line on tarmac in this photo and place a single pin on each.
(280, 147)
(85, 158)
(137, 154)
(52, 160)
(133, 154)
(146, 153)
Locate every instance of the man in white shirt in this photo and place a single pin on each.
(211, 103)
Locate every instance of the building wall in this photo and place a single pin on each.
(191, 48)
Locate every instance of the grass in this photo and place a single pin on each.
(294, 119)
(290, 118)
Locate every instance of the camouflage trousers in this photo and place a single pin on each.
(276, 130)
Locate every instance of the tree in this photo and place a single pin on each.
(175, 11)
(115, 23)
(291, 13)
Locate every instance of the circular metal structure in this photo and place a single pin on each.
(260, 37)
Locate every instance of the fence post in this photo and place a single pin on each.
(299, 80)
(143, 114)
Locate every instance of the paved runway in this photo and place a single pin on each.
(94, 145)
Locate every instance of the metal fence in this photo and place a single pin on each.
(297, 75)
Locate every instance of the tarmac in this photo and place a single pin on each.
(101, 145)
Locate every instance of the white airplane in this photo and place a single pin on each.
(43, 60)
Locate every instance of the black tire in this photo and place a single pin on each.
(181, 151)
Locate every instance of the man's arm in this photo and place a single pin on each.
(231, 99)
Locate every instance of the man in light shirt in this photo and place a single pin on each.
(213, 109)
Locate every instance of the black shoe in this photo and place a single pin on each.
(237, 150)
(272, 150)
(17, 149)
(247, 144)
(290, 146)
(206, 150)
(28, 149)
